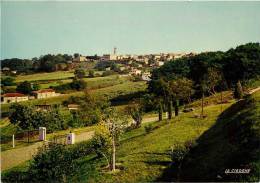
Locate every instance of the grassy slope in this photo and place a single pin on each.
(232, 143)
(122, 88)
(45, 76)
(146, 156)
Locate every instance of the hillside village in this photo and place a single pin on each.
(129, 92)
(137, 66)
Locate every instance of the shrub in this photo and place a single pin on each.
(108, 73)
(79, 73)
(25, 87)
(148, 128)
(91, 74)
(78, 84)
(178, 153)
(55, 162)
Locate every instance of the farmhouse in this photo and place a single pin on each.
(13, 97)
(45, 93)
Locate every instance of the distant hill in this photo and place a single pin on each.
(232, 143)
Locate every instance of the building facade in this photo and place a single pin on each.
(13, 97)
(45, 93)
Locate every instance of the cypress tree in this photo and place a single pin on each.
(238, 93)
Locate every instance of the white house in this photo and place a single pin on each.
(14, 97)
(45, 93)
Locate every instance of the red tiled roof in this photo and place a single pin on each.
(13, 95)
(44, 91)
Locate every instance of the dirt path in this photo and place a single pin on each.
(254, 90)
(14, 157)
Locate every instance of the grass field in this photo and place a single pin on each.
(145, 156)
(233, 142)
(45, 76)
(124, 87)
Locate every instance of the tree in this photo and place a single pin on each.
(135, 111)
(76, 55)
(102, 142)
(36, 87)
(238, 92)
(22, 116)
(78, 84)
(214, 78)
(25, 87)
(91, 74)
(180, 89)
(8, 81)
(115, 123)
(79, 73)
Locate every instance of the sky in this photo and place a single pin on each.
(31, 29)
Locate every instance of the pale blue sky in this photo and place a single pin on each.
(30, 29)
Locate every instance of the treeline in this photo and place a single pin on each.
(181, 80)
(45, 63)
(239, 64)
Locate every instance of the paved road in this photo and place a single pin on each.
(14, 157)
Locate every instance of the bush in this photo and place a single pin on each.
(78, 84)
(79, 73)
(25, 87)
(178, 153)
(55, 162)
(148, 128)
(108, 73)
(91, 74)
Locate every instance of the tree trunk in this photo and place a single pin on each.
(176, 107)
(202, 105)
(114, 154)
(170, 110)
(221, 100)
(160, 112)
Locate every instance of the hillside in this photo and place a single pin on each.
(232, 143)
(143, 156)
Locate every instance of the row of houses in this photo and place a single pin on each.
(138, 58)
(19, 97)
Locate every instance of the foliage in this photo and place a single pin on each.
(77, 84)
(55, 162)
(79, 73)
(148, 128)
(91, 74)
(211, 69)
(15, 64)
(238, 92)
(233, 142)
(25, 87)
(135, 111)
(108, 73)
(27, 117)
(49, 62)
(8, 81)
(177, 154)
(102, 142)
(116, 123)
